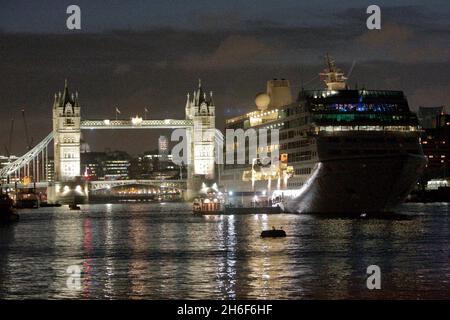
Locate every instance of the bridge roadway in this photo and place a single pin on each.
(136, 123)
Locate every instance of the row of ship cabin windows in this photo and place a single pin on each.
(372, 140)
(339, 152)
(301, 156)
(295, 144)
(295, 184)
(303, 171)
(292, 134)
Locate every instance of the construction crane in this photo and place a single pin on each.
(27, 137)
(8, 148)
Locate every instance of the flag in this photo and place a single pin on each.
(117, 110)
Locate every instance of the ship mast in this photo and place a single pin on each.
(332, 76)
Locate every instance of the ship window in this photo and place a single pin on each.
(303, 171)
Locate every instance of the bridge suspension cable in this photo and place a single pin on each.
(33, 163)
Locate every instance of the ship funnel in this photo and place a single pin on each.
(279, 91)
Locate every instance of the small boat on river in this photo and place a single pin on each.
(74, 206)
(7, 212)
(274, 233)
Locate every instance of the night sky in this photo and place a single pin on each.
(136, 54)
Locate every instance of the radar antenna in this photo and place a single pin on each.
(332, 76)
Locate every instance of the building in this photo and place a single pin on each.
(119, 165)
(67, 132)
(436, 147)
(50, 172)
(5, 161)
(162, 167)
(428, 116)
(201, 110)
(105, 165)
(116, 166)
(137, 169)
(163, 147)
(91, 165)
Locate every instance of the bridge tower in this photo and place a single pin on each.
(201, 110)
(67, 133)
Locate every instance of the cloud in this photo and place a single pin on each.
(122, 69)
(390, 34)
(215, 21)
(391, 42)
(234, 51)
(401, 43)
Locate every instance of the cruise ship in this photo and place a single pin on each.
(342, 151)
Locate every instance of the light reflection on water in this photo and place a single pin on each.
(149, 251)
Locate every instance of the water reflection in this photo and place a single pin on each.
(7, 236)
(226, 262)
(155, 251)
(109, 261)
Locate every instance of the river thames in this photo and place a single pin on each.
(162, 251)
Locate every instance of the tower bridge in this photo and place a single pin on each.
(32, 167)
